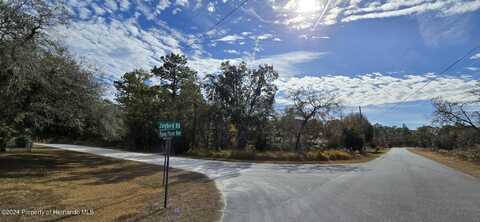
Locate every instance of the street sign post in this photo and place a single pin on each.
(167, 131)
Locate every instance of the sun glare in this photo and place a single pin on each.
(306, 6)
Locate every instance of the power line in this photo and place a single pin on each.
(219, 22)
(320, 16)
(227, 15)
(431, 80)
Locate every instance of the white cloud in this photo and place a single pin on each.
(441, 30)
(117, 46)
(124, 5)
(121, 44)
(305, 36)
(364, 90)
(264, 36)
(149, 9)
(476, 56)
(230, 38)
(374, 89)
(330, 12)
(98, 10)
(232, 51)
(472, 68)
(163, 4)
(84, 13)
(182, 3)
(176, 11)
(211, 7)
(253, 13)
(319, 37)
(205, 65)
(198, 4)
(286, 64)
(112, 5)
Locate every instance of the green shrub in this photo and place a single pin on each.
(338, 155)
(242, 155)
(23, 141)
(273, 155)
(321, 156)
(224, 154)
(6, 133)
(199, 152)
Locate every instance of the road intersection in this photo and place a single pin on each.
(398, 186)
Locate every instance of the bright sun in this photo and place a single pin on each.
(307, 6)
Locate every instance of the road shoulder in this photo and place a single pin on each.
(454, 162)
(281, 157)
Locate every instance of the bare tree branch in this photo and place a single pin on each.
(454, 113)
(311, 103)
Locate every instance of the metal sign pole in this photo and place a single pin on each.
(164, 162)
(167, 131)
(168, 166)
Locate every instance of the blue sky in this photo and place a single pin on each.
(370, 53)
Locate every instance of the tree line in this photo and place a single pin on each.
(44, 91)
(47, 94)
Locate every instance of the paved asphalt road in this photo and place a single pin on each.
(399, 186)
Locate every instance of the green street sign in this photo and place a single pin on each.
(175, 133)
(169, 129)
(169, 126)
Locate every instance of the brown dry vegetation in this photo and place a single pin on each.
(311, 156)
(116, 190)
(459, 162)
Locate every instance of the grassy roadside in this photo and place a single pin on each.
(314, 157)
(111, 189)
(455, 162)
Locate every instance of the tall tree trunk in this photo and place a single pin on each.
(206, 135)
(298, 138)
(297, 141)
(242, 139)
(219, 134)
(3, 146)
(194, 127)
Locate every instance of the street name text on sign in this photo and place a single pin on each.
(169, 129)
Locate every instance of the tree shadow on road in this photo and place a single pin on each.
(296, 168)
(45, 165)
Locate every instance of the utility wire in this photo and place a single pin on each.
(227, 15)
(320, 16)
(431, 80)
(219, 22)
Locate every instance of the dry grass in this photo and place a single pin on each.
(451, 160)
(116, 190)
(311, 156)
